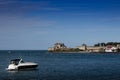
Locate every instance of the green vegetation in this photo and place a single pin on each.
(106, 44)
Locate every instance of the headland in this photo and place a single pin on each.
(97, 48)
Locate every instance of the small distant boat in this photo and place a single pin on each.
(18, 64)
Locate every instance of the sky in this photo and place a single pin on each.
(39, 24)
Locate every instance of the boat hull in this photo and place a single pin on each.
(18, 64)
(27, 67)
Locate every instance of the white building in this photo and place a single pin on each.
(111, 49)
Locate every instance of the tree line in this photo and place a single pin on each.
(106, 44)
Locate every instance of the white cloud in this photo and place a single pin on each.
(25, 6)
(14, 21)
(24, 31)
(14, 26)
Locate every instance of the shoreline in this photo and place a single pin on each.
(86, 52)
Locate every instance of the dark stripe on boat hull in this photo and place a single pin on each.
(27, 67)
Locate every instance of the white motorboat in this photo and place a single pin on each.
(18, 64)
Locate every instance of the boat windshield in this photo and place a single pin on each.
(15, 61)
(22, 61)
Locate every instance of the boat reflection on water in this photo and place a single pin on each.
(22, 75)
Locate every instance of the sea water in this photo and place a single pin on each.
(62, 66)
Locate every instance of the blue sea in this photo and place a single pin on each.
(62, 66)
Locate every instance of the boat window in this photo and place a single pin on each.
(12, 62)
(16, 62)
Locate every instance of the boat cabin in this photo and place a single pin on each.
(16, 61)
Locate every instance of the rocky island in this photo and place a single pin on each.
(99, 47)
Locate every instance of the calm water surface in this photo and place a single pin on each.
(61, 66)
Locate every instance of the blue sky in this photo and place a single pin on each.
(38, 24)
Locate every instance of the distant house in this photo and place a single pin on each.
(110, 48)
(91, 48)
(95, 49)
(58, 46)
(83, 47)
